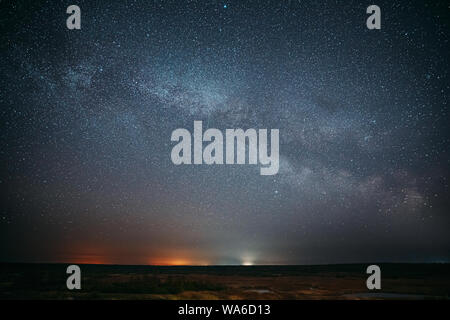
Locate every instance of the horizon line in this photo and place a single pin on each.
(223, 265)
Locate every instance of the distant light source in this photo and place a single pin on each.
(247, 263)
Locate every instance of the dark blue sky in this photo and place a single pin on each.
(86, 118)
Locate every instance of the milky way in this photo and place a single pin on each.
(87, 115)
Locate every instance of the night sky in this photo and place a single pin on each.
(86, 119)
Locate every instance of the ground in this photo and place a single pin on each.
(399, 281)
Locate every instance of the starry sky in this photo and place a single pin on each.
(86, 119)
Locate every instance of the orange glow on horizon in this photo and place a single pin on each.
(176, 262)
(163, 261)
(106, 255)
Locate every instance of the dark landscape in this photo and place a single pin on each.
(399, 281)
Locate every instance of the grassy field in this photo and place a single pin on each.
(399, 281)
